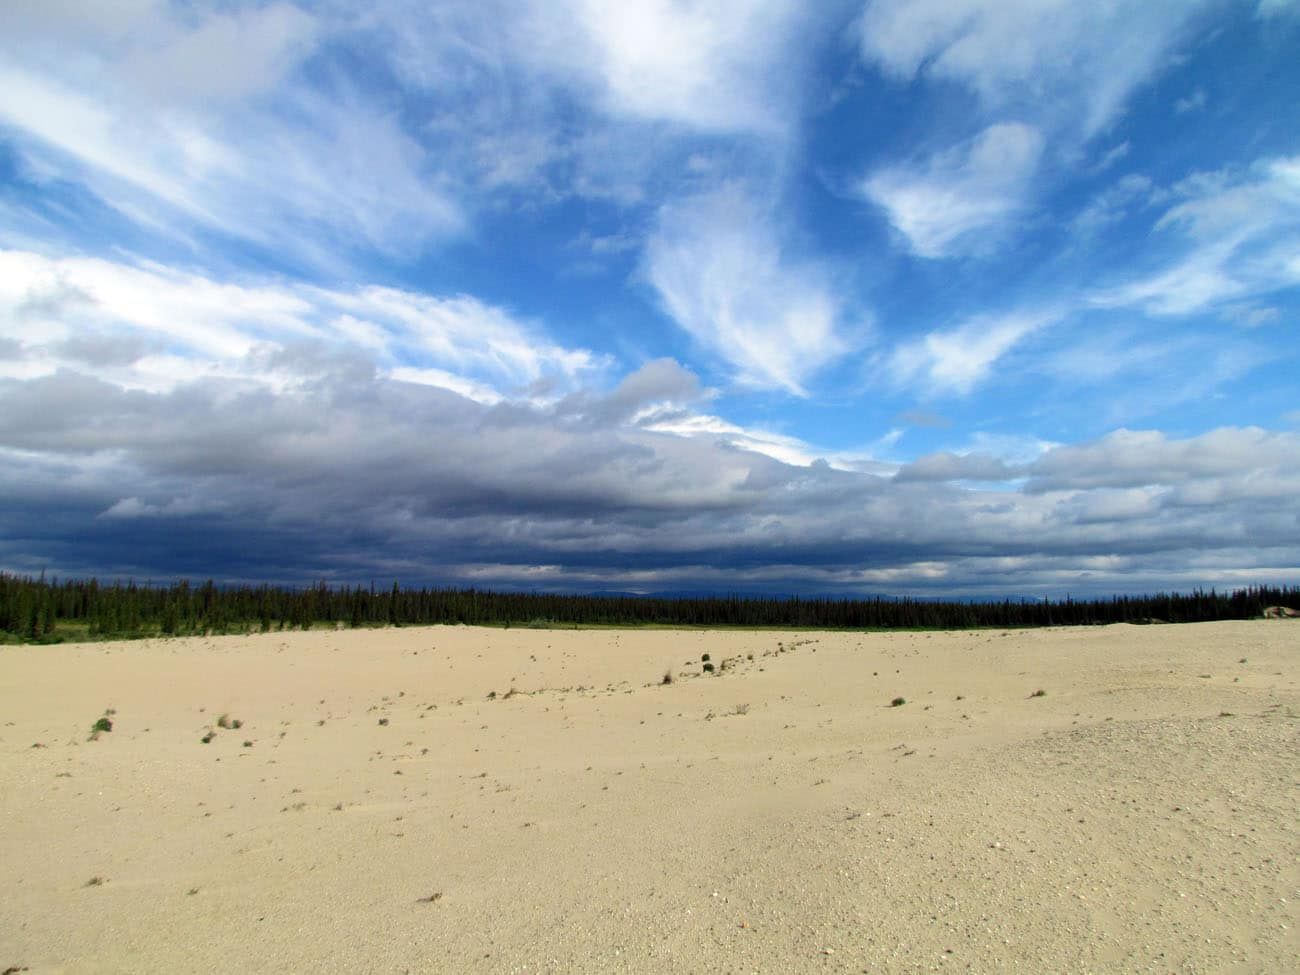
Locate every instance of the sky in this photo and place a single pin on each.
(902, 297)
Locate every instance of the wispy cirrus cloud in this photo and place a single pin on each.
(1046, 77)
(1235, 234)
(200, 119)
(720, 271)
(956, 360)
(1056, 59)
(579, 98)
(959, 201)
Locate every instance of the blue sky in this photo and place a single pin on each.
(900, 296)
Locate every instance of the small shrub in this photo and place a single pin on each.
(898, 702)
(95, 882)
(742, 709)
(103, 724)
(236, 723)
(208, 737)
(1039, 693)
(668, 677)
(224, 722)
(706, 658)
(248, 744)
(708, 668)
(383, 721)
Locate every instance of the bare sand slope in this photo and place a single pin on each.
(1142, 815)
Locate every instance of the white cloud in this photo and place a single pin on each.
(29, 21)
(183, 326)
(1076, 62)
(463, 333)
(707, 64)
(720, 272)
(225, 56)
(1137, 458)
(1240, 234)
(441, 378)
(1113, 156)
(86, 130)
(956, 360)
(960, 200)
(1114, 203)
(788, 450)
(204, 122)
(947, 466)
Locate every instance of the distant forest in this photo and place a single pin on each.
(33, 609)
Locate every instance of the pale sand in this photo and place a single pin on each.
(1119, 823)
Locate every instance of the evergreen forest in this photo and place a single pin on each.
(37, 610)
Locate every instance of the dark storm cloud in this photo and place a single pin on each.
(345, 474)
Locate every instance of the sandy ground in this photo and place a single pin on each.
(387, 815)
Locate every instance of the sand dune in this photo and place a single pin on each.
(390, 814)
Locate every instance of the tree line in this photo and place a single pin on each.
(36, 609)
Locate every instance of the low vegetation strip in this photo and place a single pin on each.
(40, 610)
